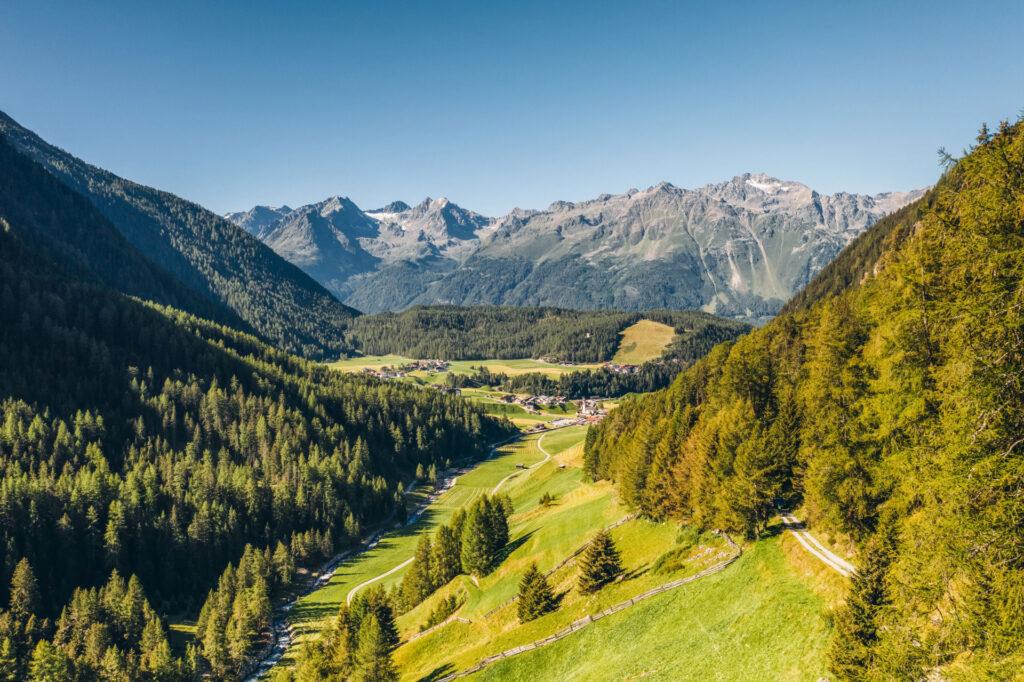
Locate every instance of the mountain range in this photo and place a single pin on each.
(739, 248)
(154, 245)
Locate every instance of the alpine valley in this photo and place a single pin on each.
(739, 248)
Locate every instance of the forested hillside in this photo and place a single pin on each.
(144, 443)
(888, 403)
(481, 332)
(231, 276)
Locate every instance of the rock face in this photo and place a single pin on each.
(739, 248)
(258, 219)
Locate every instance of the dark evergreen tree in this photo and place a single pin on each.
(446, 562)
(600, 563)
(24, 595)
(373, 654)
(535, 595)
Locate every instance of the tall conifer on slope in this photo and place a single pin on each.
(476, 543)
(600, 563)
(24, 596)
(535, 596)
(446, 562)
(418, 582)
(373, 654)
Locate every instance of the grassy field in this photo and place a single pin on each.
(764, 617)
(643, 341)
(757, 620)
(394, 548)
(509, 367)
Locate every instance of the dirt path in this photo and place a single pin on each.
(547, 456)
(811, 544)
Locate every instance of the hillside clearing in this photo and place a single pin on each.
(646, 340)
(756, 620)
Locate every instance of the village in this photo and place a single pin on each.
(402, 371)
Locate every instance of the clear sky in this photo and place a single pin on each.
(499, 105)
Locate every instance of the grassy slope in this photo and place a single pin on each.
(545, 535)
(643, 341)
(510, 367)
(764, 618)
(398, 546)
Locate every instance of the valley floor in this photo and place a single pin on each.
(763, 617)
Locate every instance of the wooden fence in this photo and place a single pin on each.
(587, 620)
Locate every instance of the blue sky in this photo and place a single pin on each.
(497, 106)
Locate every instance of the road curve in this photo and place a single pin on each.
(385, 574)
(811, 544)
(547, 456)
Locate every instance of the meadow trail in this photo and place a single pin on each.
(547, 456)
(818, 550)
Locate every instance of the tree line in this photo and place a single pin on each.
(143, 440)
(890, 408)
(483, 332)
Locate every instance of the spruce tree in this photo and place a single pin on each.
(8, 661)
(446, 562)
(498, 513)
(857, 626)
(535, 596)
(600, 563)
(476, 541)
(418, 582)
(373, 654)
(49, 664)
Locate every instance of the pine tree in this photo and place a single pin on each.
(498, 512)
(446, 562)
(8, 661)
(284, 564)
(418, 582)
(600, 563)
(857, 626)
(535, 596)
(477, 557)
(373, 654)
(24, 598)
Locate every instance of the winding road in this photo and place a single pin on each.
(547, 456)
(811, 544)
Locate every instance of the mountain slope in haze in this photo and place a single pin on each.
(739, 248)
(886, 403)
(66, 223)
(217, 260)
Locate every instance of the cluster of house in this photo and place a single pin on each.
(532, 403)
(385, 372)
(425, 366)
(590, 407)
(390, 372)
(616, 368)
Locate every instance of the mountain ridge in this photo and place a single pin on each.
(241, 277)
(741, 247)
